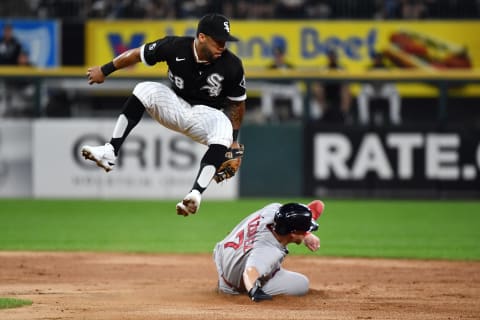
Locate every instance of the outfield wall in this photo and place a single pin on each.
(319, 160)
(42, 159)
(408, 161)
(16, 153)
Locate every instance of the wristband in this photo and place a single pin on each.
(108, 68)
(235, 134)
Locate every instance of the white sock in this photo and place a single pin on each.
(206, 176)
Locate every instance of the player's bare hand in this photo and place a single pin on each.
(95, 75)
(312, 242)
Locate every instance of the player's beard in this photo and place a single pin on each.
(209, 56)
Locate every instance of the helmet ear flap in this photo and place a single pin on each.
(280, 225)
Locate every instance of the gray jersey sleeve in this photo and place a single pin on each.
(266, 259)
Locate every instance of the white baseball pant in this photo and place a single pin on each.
(202, 123)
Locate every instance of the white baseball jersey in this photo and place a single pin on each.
(252, 243)
(193, 104)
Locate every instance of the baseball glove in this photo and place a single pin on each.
(229, 167)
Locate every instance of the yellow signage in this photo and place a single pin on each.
(439, 44)
(421, 45)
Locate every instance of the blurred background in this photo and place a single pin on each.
(347, 99)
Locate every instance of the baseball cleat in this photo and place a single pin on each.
(189, 204)
(103, 156)
(317, 207)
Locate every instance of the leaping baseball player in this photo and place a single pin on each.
(206, 101)
(249, 259)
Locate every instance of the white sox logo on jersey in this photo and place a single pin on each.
(214, 86)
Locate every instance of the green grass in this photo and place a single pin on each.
(392, 229)
(6, 303)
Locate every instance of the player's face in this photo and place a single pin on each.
(297, 236)
(211, 49)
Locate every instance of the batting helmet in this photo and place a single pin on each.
(292, 217)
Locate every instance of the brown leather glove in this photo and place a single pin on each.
(233, 161)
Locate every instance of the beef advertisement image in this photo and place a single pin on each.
(409, 49)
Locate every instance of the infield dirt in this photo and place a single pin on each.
(160, 286)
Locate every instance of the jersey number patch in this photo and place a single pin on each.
(179, 83)
(247, 243)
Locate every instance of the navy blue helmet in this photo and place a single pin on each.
(292, 217)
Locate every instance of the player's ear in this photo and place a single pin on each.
(202, 37)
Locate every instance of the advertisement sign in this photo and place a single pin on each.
(427, 45)
(416, 162)
(40, 39)
(154, 163)
(15, 158)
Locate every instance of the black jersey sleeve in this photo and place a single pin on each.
(237, 86)
(158, 50)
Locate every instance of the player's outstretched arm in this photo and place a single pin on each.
(250, 275)
(312, 242)
(97, 74)
(254, 286)
(235, 112)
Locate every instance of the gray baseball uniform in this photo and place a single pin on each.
(252, 244)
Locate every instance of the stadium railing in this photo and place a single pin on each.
(74, 79)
